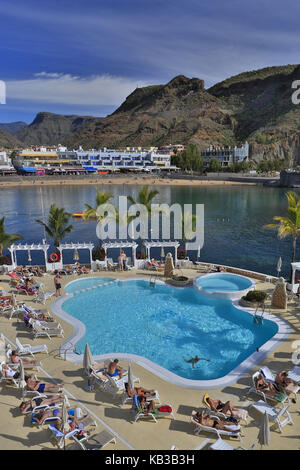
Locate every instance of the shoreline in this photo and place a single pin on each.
(138, 181)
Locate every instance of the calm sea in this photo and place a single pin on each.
(234, 220)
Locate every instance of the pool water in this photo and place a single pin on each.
(223, 282)
(86, 283)
(165, 325)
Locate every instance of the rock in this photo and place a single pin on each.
(279, 297)
(169, 266)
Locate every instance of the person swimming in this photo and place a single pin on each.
(195, 359)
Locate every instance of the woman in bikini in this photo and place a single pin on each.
(139, 391)
(205, 420)
(28, 406)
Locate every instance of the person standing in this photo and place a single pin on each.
(57, 284)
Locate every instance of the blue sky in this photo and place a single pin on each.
(85, 57)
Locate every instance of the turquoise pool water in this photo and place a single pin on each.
(86, 283)
(165, 325)
(223, 282)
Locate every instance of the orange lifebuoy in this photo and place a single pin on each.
(54, 257)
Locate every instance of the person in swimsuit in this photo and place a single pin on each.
(113, 369)
(195, 359)
(139, 391)
(269, 389)
(57, 284)
(9, 373)
(120, 261)
(37, 385)
(15, 359)
(226, 408)
(28, 406)
(205, 420)
(283, 381)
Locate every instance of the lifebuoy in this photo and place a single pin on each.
(54, 257)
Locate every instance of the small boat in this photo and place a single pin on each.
(77, 214)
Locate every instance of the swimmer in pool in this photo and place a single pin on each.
(195, 359)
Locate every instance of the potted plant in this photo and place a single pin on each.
(253, 298)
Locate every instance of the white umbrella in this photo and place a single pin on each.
(76, 255)
(22, 383)
(162, 252)
(87, 358)
(198, 252)
(279, 265)
(264, 432)
(130, 379)
(64, 425)
(29, 256)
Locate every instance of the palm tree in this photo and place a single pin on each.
(57, 226)
(289, 225)
(102, 197)
(145, 197)
(6, 239)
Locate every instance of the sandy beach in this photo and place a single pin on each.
(134, 180)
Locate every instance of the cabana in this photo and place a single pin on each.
(122, 245)
(158, 244)
(72, 246)
(27, 247)
(295, 279)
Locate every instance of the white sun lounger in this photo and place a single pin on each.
(219, 444)
(275, 414)
(261, 392)
(139, 413)
(28, 349)
(96, 442)
(271, 376)
(38, 331)
(114, 385)
(220, 432)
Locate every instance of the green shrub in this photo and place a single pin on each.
(255, 296)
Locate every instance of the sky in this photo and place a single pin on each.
(85, 57)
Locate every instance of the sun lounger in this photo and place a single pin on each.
(271, 376)
(42, 297)
(34, 365)
(96, 442)
(275, 414)
(139, 413)
(201, 428)
(115, 385)
(59, 437)
(239, 414)
(295, 374)
(281, 398)
(29, 349)
(219, 444)
(9, 380)
(38, 331)
(45, 325)
(125, 397)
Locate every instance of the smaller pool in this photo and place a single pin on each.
(87, 283)
(224, 285)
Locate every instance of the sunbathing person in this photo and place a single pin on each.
(28, 406)
(113, 369)
(41, 387)
(284, 382)
(206, 420)
(269, 389)
(31, 313)
(150, 406)
(9, 373)
(218, 405)
(139, 391)
(16, 359)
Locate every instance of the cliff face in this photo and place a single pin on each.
(254, 106)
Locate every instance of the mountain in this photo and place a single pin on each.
(8, 141)
(12, 127)
(254, 105)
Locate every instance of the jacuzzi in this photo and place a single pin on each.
(223, 285)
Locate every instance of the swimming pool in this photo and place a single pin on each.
(223, 285)
(166, 325)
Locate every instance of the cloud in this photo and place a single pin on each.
(68, 89)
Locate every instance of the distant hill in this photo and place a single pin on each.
(12, 127)
(8, 141)
(254, 105)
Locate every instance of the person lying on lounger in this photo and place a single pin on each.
(113, 369)
(15, 359)
(226, 408)
(31, 313)
(150, 407)
(268, 388)
(28, 406)
(283, 381)
(9, 373)
(39, 386)
(139, 391)
(221, 425)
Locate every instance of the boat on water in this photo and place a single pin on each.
(77, 214)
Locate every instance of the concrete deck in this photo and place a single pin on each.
(17, 432)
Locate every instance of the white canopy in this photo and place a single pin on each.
(27, 247)
(161, 244)
(124, 244)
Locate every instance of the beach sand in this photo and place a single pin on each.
(138, 181)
